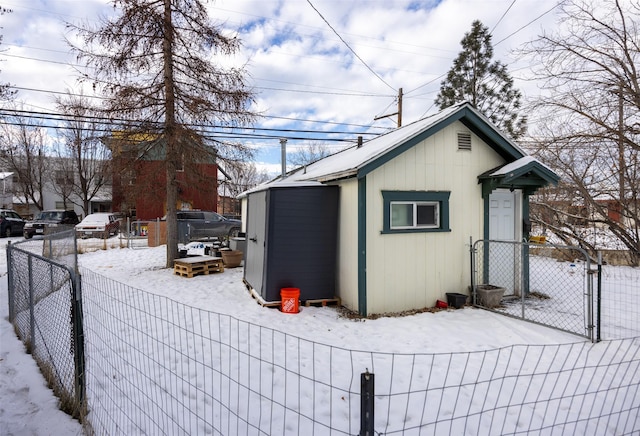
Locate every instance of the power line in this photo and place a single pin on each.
(346, 94)
(528, 24)
(407, 94)
(229, 132)
(262, 116)
(35, 59)
(348, 46)
(503, 15)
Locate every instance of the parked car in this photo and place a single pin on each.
(197, 224)
(98, 225)
(50, 220)
(10, 223)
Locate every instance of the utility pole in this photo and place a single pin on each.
(398, 113)
(400, 107)
(283, 156)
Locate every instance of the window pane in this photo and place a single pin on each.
(427, 215)
(401, 215)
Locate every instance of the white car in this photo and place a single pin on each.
(98, 225)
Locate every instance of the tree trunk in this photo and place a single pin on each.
(171, 138)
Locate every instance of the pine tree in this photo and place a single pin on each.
(486, 84)
(153, 64)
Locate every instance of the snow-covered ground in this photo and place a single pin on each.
(28, 407)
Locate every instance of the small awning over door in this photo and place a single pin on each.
(526, 173)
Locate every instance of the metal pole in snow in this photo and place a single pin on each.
(367, 404)
(283, 156)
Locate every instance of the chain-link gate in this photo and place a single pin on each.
(45, 308)
(546, 284)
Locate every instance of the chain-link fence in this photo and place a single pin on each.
(59, 246)
(158, 366)
(546, 284)
(45, 308)
(141, 234)
(618, 309)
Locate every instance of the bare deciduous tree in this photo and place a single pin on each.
(243, 176)
(588, 125)
(240, 176)
(83, 168)
(308, 153)
(23, 151)
(153, 62)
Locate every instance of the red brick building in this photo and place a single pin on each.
(139, 180)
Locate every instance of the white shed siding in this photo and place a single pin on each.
(411, 270)
(243, 213)
(347, 261)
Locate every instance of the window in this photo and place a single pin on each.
(415, 211)
(64, 178)
(406, 215)
(128, 176)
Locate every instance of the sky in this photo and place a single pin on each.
(321, 70)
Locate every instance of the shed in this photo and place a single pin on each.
(291, 234)
(412, 199)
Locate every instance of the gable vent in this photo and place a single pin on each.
(464, 141)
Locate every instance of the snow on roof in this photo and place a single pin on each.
(512, 166)
(5, 175)
(284, 183)
(346, 163)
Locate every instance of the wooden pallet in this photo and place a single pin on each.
(197, 265)
(264, 303)
(323, 302)
(261, 301)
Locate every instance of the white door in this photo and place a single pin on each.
(502, 216)
(504, 265)
(255, 240)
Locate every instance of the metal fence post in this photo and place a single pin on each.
(32, 316)
(367, 404)
(78, 339)
(75, 251)
(472, 258)
(599, 297)
(10, 290)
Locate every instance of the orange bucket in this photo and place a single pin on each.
(289, 300)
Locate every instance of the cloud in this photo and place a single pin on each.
(298, 66)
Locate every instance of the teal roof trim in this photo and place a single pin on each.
(489, 134)
(467, 116)
(527, 173)
(533, 169)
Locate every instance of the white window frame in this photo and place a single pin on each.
(415, 225)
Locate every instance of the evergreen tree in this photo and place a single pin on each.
(486, 84)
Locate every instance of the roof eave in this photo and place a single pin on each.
(468, 116)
